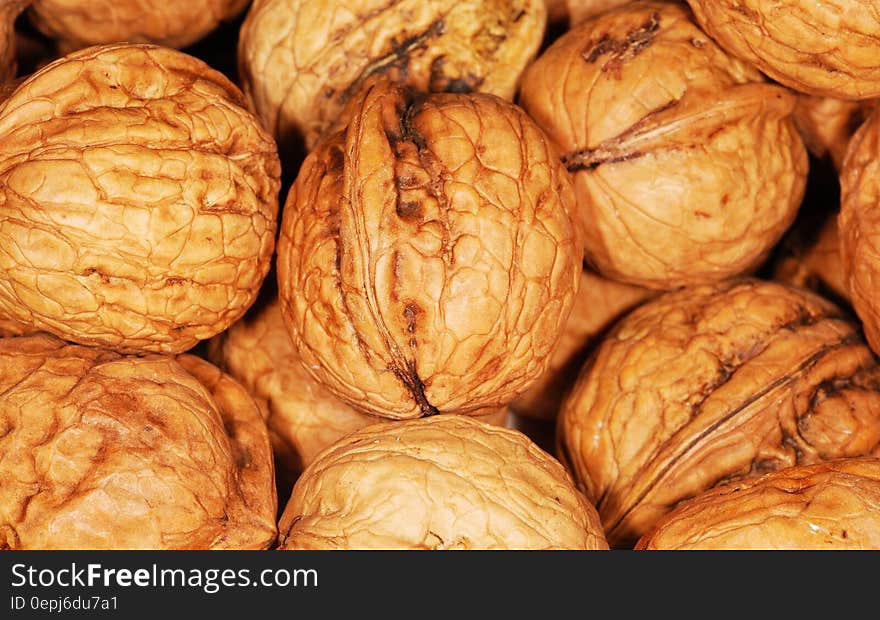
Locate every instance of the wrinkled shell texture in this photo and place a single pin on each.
(827, 124)
(104, 451)
(301, 60)
(829, 48)
(428, 259)
(9, 10)
(81, 23)
(859, 225)
(599, 302)
(687, 166)
(444, 482)
(138, 200)
(832, 505)
(711, 384)
(817, 267)
(304, 418)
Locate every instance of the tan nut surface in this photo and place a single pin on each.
(444, 482)
(599, 302)
(104, 451)
(9, 11)
(574, 12)
(829, 48)
(428, 258)
(711, 384)
(301, 60)
(834, 505)
(138, 200)
(817, 266)
(859, 225)
(81, 23)
(687, 165)
(827, 124)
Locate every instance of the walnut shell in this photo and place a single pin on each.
(834, 505)
(827, 124)
(9, 12)
(301, 60)
(81, 23)
(138, 200)
(598, 303)
(105, 451)
(818, 266)
(829, 48)
(444, 482)
(687, 167)
(428, 258)
(710, 384)
(574, 12)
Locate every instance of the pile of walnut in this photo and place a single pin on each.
(445, 274)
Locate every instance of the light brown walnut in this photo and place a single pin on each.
(687, 165)
(302, 60)
(827, 124)
(9, 12)
(574, 12)
(713, 384)
(138, 200)
(444, 482)
(827, 506)
(599, 302)
(818, 265)
(859, 225)
(428, 257)
(829, 48)
(105, 451)
(80, 23)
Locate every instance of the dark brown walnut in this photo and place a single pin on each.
(302, 60)
(574, 12)
(599, 302)
(445, 482)
(138, 200)
(80, 23)
(106, 451)
(827, 124)
(829, 48)
(10, 327)
(834, 505)
(817, 266)
(9, 11)
(428, 258)
(713, 384)
(687, 165)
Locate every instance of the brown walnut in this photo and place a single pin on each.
(710, 384)
(106, 451)
(138, 200)
(687, 165)
(574, 12)
(428, 257)
(827, 124)
(829, 48)
(859, 225)
(818, 265)
(598, 303)
(80, 23)
(302, 60)
(445, 482)
(9, 12)
(833, 505)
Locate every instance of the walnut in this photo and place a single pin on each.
(428, 257)
(828, 48)
(138, 200)
(301, 60)
(9, 12)
(834, 505)
(687, 166)
(81, 23)
(710, 384)
(859, 224)
(107, 451)
(444, 482)
(827, 124)
(598, 303)
(817, 266)
(574, 12)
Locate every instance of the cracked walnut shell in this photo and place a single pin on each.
(301, 60)
(80, 23)
(829, 48)
(834, 505)
(711, 384)
(444, 482)
(428, 258)
(105, 451)
(138, 200)
(687, 165)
